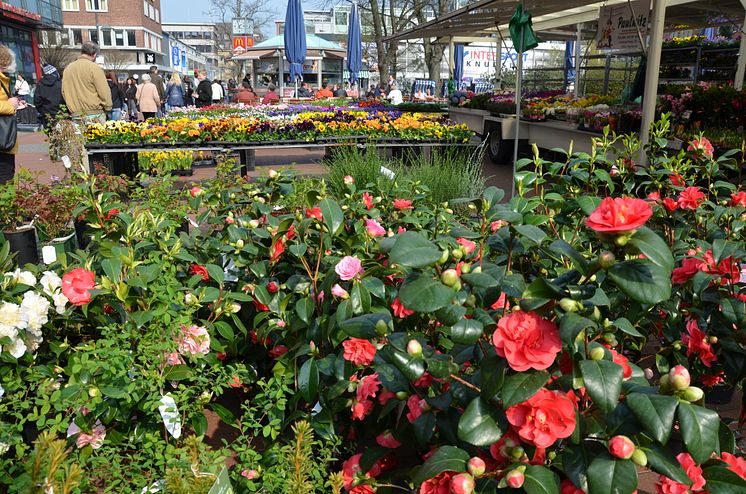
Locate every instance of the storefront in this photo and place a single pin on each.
(18, 28)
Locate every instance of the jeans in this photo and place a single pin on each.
(132, 108)
(114, 114)
(7, 167)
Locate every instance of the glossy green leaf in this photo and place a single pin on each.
(199, 424)
(492, 376)
(607, 475)
(540, 480)
(446, 458)
(478, 424)
(308, 379)
(580, 262)
(656, 413)
(413, 250)
(662, 460)
(364, 326)
(603, 382)
(699, 429)
(653, 246)
(216, 273)
(571, 325)
(522, 386)
(625, 326)
(467, 331)
(333, 215)
(721, 480)
(531, 232)
(424, 294)
(642, 281)
(360, 299)
(304, 308)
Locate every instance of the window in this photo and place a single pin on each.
(96, 5)
(71, 5)
(106, 37)
(119, 37)
(131, 38)
(157, 15)
(76, 35)
(93, 35)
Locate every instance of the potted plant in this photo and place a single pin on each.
(15, 224)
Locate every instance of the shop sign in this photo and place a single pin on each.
(17, 13)
(243, 26)
(150, 58)
(620, 27)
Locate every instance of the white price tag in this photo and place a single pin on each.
(170, 414)
(66, 161)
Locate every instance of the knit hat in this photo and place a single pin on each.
(49, 70)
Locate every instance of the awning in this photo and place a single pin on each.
(272, 53)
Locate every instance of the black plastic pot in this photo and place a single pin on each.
(23, 243)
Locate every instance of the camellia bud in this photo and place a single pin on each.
(570, 305)
(466, 268)
(253, 223)
(639, 458)
(693, 393)
(713, 339)
(462, 483)
(679, 378)
(622, 240)
(606, 259)
(476, 466)
(597, 353)
(381, 327)
(190, 299)
(273, 174)
(414, 348)
(402, 395)
(239, 244)
(196, 191)
(235, 308)
(517, 452)
(443, 257)
(621, 447)
(664, 383)
(449, 277)
(457, 254)
(93, 392)
(515, 479)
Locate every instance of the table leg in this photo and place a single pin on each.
(247, 158)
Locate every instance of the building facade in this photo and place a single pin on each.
(182, 57)
(128, 32)
(19, 22)
(200, 37)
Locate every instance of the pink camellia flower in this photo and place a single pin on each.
(368, 387)
(440, 484)
(249, 474)
(361, 409)
(359, 351)
(374, 228)
(702, 146)
(497, 224)
(399, 310)
(402, 204)
(196, 191)
(468, 245)
(95, 439)
(173, 358)
(543, 418)
(417, 406)
(76, 285)
(621, 447)
(340, 292)
(738, 199)
(349, 180)
(735, 464)
(193, 340)
(278, 351)
(619, 215)
(349, 267)
(693, 471)
(368, 200)
(691, 198)
(463, 483)
(527, 341)
(387, 440)
(654, 196)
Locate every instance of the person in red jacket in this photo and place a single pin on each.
(270, 98)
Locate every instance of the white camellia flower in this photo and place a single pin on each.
(35, 309)
(9, 331)
(11, 315)
(24, 277)
(60, 301)
(2, 391)
(17, 348)
(50, 282)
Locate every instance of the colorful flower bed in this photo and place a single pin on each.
(306, 126)
(378, 338)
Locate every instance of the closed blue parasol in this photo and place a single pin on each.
(458, 65)
(295, 39)
(354, 46)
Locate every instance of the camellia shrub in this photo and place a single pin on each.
(432, 348)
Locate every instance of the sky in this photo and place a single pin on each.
(194, 10)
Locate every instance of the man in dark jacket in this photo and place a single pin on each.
(48, 96)
(156, 79)
(203, 94)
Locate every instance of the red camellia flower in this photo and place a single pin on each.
(278, 351)
(677, 180)
(697, 343)
(362, 489)
(527, 341)
(402, 204)
(368, 200)
(654, 196)
(440, 484)
(76, 285)
(691, 198)
(670, 204)
(276, 250)
(703, 146)
(351, 468)
(111, 213)
(693, 471)
(361, 409)
(199, 270)
(387, 440)
(273, 287)
(738, 199)
(689, 267)
(619, 215)
(359, 351)
(315, 213)
(543, 418)
(735, 464)
(416, 406)
(399, 310)
(368, 387)
(622, 361)
(567, 487)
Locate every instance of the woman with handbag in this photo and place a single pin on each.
(8, 124)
